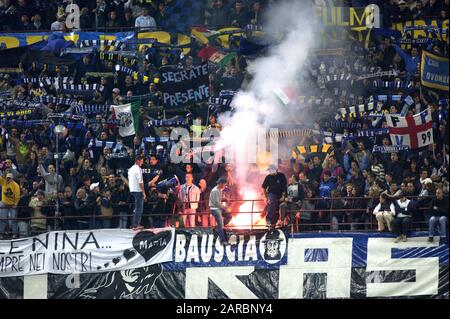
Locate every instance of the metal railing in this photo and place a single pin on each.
(321, 219)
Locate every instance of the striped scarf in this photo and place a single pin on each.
(156, 139)
(338, 77)
(57, 100)
(91, 108)
(393, 84)
(104, 45)
(80, 87)
(392, 97)
(331, 137)
(118, 155)
(18, 105)
(420, 41)
(38, 66)
(389, 148)
(220, 101)
(4, 94)
(227, 93)
(24, 124)
(362, 108)
(335, 139)
(116, 57)
(342, 124)
(290, 133)
(115, 146)
(136, 75)
(45, 82)
(253, 27)
(75, 50)
(115, 122)
(167, 123)
(377, 75)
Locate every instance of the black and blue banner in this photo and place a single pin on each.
(313, 266)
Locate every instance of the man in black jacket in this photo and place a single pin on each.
(93, 202)
(24, 212)
(439, 212)
(274, 190)
(80, 209)
(404, 209)
(68, 209)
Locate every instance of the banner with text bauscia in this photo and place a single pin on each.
(184, 87)
(66, 252)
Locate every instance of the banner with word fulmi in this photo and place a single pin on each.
(413, 131)
(184, 87)
(67, 252)
(434, 71)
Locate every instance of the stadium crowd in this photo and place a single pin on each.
(342, 190)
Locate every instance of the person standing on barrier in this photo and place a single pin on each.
(274, 191)
(136, 184)
(218, 209)
(10, 199)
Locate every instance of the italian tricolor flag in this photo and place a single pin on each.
(213, 55)
(128, 114)
(286, 95)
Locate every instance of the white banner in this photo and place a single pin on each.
(67, 252)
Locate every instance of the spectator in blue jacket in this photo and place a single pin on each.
(327, 185)
(411, 61)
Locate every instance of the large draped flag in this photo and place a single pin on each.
(128, 114)
(413, 131)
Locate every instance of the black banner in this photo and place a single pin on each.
(184, 87)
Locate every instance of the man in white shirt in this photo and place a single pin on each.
(144, 20)
(136, 185)
(189, 195)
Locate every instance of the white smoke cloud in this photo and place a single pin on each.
(257, 108)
